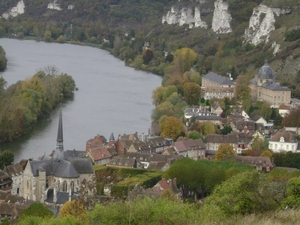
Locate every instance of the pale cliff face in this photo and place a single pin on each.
(184, 16)
(54, 6)
(221, 19)
(18, 9)
(259, 30)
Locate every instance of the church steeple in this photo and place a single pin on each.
(60, 139)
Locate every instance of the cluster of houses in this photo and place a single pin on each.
(59, 177)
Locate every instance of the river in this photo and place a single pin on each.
(111, 97)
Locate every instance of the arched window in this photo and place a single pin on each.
(72, 187)
(47, 183)
(65, 186)
(58, 185)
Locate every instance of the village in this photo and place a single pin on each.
(59, 177)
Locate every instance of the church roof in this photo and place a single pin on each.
(265, 72)
(82, 165)
(65, 169)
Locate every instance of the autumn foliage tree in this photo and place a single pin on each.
(192, 93)
(225, 152)
(185, 58)
(172, 127)
(74, 209)
(292, 119)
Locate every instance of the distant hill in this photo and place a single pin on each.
(230, 36)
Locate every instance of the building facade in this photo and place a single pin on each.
(264, 88)
(216, 86)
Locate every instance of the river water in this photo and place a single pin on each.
(111, 97)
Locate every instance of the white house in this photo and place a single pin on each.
(283, 141)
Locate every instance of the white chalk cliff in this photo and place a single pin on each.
(15, 11)
(261, 24)
(221, 18)
(54, 6)
(183, 16)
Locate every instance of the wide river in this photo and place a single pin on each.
(111, 97)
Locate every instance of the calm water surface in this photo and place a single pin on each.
(112, 98)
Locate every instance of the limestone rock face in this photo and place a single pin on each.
(184, 16)
(221, 18)
(15, 11)
(54, 6)
(261, 24)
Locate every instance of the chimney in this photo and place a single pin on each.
(143, 137)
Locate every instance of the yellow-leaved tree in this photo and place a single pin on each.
(225, 152)
(74, 209)
(172, 127)
(184, 58)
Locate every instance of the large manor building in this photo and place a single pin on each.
(264, 88)
(217, 86)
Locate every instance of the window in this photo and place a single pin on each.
(65, 186)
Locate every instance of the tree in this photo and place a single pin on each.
(185, 58)
(208, 128)
(225, 152)
(147, 55)
(267, 153)
(242, 89)
(192, 93)
(259, 144)
(36, 210)
(6, 158)
(172, 127)
(293, 191)
(292, 119)
(245, 193)
(74, 209)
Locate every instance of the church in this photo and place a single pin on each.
(57, 178)
(264, 88)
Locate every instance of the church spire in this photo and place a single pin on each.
(60, 139)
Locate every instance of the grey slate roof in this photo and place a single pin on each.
(65, 169)
(274, 86)
(210, 117)
(71, 154)
(265, 72)
(218, 79)
(82, 165)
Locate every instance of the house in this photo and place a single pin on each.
(194, 149)
(239, 141)
(99, 155)
(284, 110)
(144, 144)
(5, 181)
(123, 162)
(216, 110)
(15, 172)
(97, 141)
(55, 179)
(283, 141)
(217, 120)
(264, 88)
(216, 86)
(157, 190)
(243, 126)
(259, 162)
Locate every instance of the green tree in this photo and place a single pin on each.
(6, 158)
(208, 128)
(225, 152)
(259, 144)
(185, 58)
(172, 127)
(192, 93)
(36, 210)
(293, 191)
(242, 89)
